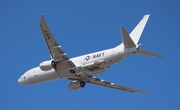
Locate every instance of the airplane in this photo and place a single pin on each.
(81, 70)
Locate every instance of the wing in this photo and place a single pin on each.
(93, 80)
(101, 82)
(55, 50)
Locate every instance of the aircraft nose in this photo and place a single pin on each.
(20, 81)
(24, 79)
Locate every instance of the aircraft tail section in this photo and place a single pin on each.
(131, 40)
(137, 31)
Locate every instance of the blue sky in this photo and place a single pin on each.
(82, 27)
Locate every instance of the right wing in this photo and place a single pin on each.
(55, 50)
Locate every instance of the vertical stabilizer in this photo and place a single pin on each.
(137, 31)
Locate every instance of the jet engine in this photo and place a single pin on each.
(75, 85)
(46, 65)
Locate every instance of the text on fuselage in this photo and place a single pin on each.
(98, 55)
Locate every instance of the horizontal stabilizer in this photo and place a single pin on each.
(144, 52)
(127, 41)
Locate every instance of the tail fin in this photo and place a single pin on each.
(137, 31)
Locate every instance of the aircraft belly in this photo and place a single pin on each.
(70, 72)
(116, 57)
(64, 73)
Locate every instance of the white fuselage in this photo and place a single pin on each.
(109, 56)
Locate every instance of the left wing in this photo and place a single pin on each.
(93, 80)
(101, 82)
(55, 50)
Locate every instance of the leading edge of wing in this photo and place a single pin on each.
(55, 50)
(97, 81)
(44, 28)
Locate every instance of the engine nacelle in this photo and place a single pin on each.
(46, 65)
(75, 85)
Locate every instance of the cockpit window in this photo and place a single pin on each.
(23, 77)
